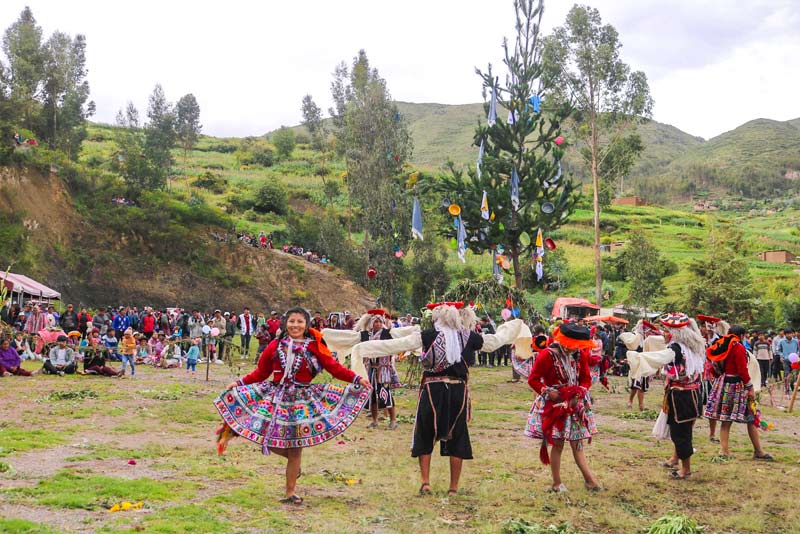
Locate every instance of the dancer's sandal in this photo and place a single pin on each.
(766, 457)
(293, 499)
(560, 489)
(424, 489)
(713, 440)
(452, 493)
(676, 475)
(668, 465)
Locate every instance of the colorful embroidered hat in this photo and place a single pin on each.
(674, 320)
(573, 337)
(708, 319)
(380, 312)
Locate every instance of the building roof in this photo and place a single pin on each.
(571, 301)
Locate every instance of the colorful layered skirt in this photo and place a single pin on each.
(574, 429)
(727, 401)
(522, 367)
(292, 415)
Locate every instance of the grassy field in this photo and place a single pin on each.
(66, 445)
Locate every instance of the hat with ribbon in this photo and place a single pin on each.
(573, 337)
(708, 319)
(457, 305)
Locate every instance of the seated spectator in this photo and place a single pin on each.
(61, 360)
(94, 361)
(171, 354)
(10, 361)
(23, 348)
(112, 344)
(143, 353)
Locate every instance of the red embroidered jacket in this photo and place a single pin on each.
(270, 364)
(544, 375)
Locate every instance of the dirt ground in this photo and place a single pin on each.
(157, 431)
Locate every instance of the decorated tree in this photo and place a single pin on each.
(519, 184)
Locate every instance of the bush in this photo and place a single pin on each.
(212, 182)
(271, 198)
(263, 157)
(302, 139)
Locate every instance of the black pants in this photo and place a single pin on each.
(777, 366)
(51, 369)
(764, 366)
(494, 356)
(681, 436)
(246, 343)
(482, 357)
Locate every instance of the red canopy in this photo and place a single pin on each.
(606, 319)
(559, 308)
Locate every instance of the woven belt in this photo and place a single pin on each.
(444, 379)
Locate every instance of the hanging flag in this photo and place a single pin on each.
(480, 159)
(557, 177)
(512, 118)
(497, 272)
(492, 118)
(538, 255)
(485, 207)
(461, 239)
(515, 189)
(535, 102)
(416, 221)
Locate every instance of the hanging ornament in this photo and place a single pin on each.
(396, 248)
(515, 189)
(371, 273)
(557, 177)
(559, 140)
(515, 312)
(446, 202)
(535, 102)
(453, 244)
(491, 217)
(397, 116)
(548, 208)
(416, 220)
(485, 207)
(512, 118)
(509, 303)
(454, 210)
(501, 226)
(492, 118)
(398, 254)
(505, 313)
(480, 159)
(524, 239)
(455, 223)
(549, 243)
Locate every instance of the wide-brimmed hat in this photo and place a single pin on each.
(380, 312)
(457, 305)
(573, 337)
(674, 320)
(708, 318)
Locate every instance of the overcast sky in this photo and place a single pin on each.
(712, 64)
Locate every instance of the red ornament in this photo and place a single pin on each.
(371, 273)
(559, 140)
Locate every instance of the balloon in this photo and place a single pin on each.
(371, 273)
(454, 209)
(515, 312)
(796, 365)
(501, 226)
(206, 329)
(524, 239)
(398, 254)
(793, 357)
(549, 243)
(559, 140)
(214, 332)
(506, 264)
(505, 313)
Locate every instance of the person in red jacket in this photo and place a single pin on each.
(731, 398)
(277, 406)
(148, 323)
(562, 409)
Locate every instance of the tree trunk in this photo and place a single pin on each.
(517, 271)
(598, 275)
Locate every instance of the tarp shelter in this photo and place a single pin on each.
(605, 319)
(565, 307)
(22, 289)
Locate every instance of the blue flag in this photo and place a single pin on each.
(515, 189)
(416, 221)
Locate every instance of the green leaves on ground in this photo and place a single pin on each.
(675, 524)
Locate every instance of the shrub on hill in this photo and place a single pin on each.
(271, 198)
(212, 182)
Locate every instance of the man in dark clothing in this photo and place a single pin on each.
(69, 319)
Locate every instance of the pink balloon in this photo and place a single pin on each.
(505, 313)
(398, 254)
(214, 332)
(559, 140)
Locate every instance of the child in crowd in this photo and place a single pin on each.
(192, 356)
(127, 351)
(263, 337)
(112, 344)
(143, 353)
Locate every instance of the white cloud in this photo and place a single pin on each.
(711, 64)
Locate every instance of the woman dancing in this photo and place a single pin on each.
(277, 406)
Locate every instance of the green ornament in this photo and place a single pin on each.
(524, 239)
(453, 244)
